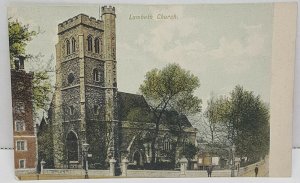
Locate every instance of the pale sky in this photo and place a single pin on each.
(224, 45)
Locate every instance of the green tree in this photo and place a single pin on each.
(19, 36)
(214, 113)
(167, 89)
(190, 151)
(45, 144)
(41, 90)
(245, 119)
(249, 118)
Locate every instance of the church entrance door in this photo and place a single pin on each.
(138, 159)
(72, 149)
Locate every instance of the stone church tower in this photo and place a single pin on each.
(84, 106)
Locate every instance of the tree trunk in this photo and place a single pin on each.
(153, 143)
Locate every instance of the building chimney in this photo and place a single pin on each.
(19, 62)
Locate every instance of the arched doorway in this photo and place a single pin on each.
(72, 147)
(138, 159)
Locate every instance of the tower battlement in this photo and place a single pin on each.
(80, 19)
(108, 10)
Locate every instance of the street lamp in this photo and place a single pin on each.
(85, 149)
(233, 160)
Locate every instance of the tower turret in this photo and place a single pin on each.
(108, 17)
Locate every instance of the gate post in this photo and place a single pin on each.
(124, 166)
(112, 163)
(183, 165)
(42, 166)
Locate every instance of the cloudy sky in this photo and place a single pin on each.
(224, 45)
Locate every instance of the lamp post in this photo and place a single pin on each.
(85, 149)
(233, 160)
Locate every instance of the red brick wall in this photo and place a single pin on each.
(29, 155)
(22, 91)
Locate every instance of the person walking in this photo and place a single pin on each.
(256, 170)
(209, 171)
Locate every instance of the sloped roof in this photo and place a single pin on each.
(129, 103)
(170, 116)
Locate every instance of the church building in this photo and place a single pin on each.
(87, 106)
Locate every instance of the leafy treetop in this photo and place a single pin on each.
(19, 36)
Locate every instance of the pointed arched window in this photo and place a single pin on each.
(185, 142)
(97, 45)
(73, 45)
(90, 43)
(96, 75)
(166, 143)
(96, 109)
(68, 46)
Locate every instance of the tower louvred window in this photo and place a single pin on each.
(90, 43)
(97, 45)
(73, 45)
(68, 46)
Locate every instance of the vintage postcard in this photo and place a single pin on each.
(202, 90)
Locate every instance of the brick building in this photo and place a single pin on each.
(23, 125)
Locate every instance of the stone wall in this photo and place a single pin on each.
(70, 67)
(133, 173)
(70, 97)
(25, 171)
(91, 64)
(76, 172)
(95, 96)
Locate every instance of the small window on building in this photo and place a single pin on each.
(21, 145)
(68, 46)
(71, 78)
(185, 142)
(97, 45)
(96, 109)
(20, 107)
(73, 45)
(90, 43)
(71, 110)
(96, 75)
(20, 125)
(22, 163)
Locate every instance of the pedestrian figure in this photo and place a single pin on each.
(209, 170)
(256, 170)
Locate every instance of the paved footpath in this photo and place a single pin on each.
(263, 170)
